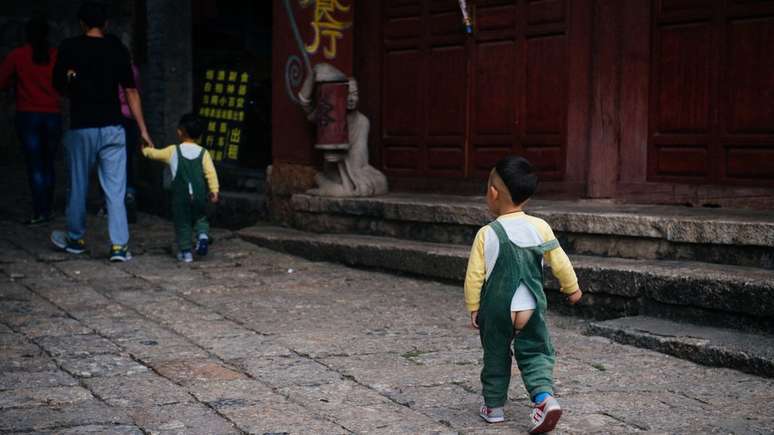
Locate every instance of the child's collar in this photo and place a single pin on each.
(512, 213)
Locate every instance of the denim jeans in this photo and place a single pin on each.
(39, 134)
(105, 146)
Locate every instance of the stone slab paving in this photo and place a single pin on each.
(254, 341)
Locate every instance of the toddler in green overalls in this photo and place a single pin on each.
(191, 167)
(505, 298)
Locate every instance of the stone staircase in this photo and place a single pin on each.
(675, 270)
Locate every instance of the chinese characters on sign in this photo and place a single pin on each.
(223, 109)
(328, 29)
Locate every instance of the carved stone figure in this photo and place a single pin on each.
(346, 171)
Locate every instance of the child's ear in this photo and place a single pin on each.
(494, 192)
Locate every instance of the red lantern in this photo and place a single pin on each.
(332, 131)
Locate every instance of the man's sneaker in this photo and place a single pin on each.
(545, 416)
(120, 253)
(185, 256)
(492, 415)
(61, 240)
(202, 245)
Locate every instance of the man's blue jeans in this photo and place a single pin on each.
(40, 134)
(105, 146)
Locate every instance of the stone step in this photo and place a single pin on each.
(712, 294)
(239, 209)
(722, 236)
(743, 351)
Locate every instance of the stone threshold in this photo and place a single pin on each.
(750, 353)
(717, 226)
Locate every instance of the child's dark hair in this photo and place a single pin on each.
(192, 125)
(519, 177)
(93, 14)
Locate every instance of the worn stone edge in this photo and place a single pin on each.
(673, 229)
(448, 262)
(705, 354)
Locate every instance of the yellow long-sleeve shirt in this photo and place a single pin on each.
(190, 151)
(524, 230)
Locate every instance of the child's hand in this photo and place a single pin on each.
(146, 141)
(474, 319)
(573, 298)
(214, 197)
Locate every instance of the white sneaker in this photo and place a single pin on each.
(492, 415)
(545, 416)
(185, 256)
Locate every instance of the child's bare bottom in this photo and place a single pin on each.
(520, 318)
(523, 305)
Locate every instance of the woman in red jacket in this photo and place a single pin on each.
(38, 118)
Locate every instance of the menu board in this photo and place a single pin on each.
(223, 109)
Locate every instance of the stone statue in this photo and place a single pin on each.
(346, 171)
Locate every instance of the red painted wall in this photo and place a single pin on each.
(294, 32)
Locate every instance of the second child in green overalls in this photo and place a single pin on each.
(504, 295)
(192, 174)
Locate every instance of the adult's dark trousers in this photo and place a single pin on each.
(40, 134)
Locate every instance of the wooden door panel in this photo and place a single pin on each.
(546, 80)
(712, 89)
(750, 163)
(545, 159)
(401, 126)
(494, 103)
(683, 81)
(751, 76)
(540, 12)
(453, 105)
(683, 162)
(542, 117)
(747, 99)
(446, 109)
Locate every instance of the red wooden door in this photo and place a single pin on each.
(453, 105)
(712, 92)
(519, 84)
(424, 84)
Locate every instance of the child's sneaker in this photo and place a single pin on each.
(61, 240)
(185, 256)
(202, 245)
(38, 220)
(492, 415)
(120, 253)
(545, 416)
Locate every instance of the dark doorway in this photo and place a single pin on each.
(235, 36)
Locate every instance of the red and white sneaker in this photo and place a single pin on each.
(545, 416)
(492, 415)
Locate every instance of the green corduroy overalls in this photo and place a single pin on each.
(189, 200)
(532, 345)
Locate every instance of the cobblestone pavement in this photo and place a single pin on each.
(254, 341)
